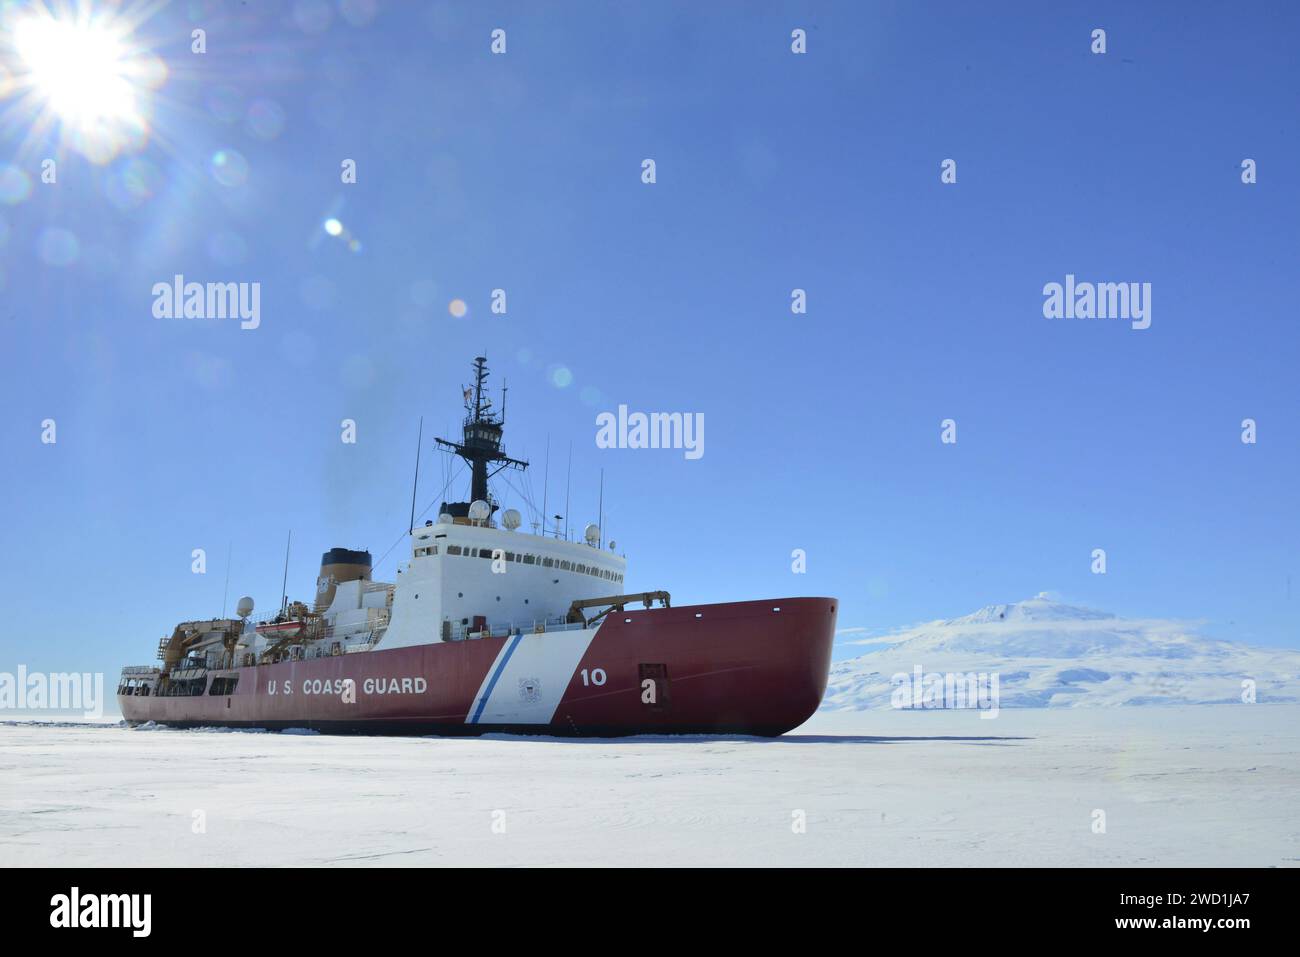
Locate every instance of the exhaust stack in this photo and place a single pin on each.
(339, 565)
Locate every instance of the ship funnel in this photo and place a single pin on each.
(339, 565)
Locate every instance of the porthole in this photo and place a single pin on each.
(460, 594)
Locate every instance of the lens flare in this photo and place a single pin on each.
(229, 168)
(83, 71)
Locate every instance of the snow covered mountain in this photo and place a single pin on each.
(1050, 654)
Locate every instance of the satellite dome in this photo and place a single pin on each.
(444, 518)
(592, 534)
(511, 519)
(479, 510)
(245, 607)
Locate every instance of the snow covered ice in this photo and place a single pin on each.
(1138, 723)
(1180, 785)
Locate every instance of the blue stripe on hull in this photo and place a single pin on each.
(496, 674)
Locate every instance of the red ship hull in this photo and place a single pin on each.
(756, 667)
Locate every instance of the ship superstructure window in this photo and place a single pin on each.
(544, 561)
(184, 687)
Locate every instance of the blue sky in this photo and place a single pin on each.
(774, 172)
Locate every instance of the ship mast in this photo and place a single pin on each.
(480, 443)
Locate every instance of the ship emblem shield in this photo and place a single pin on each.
(530, 690)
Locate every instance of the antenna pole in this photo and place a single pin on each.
(226, 591)
(284, 586)
(546, 475)
(478, 388)
(600, 512)
(567, 480)
(419, 442)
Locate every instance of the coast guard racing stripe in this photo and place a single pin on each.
(529, 677)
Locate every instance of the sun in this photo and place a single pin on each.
(79, 68)
(82, 70)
